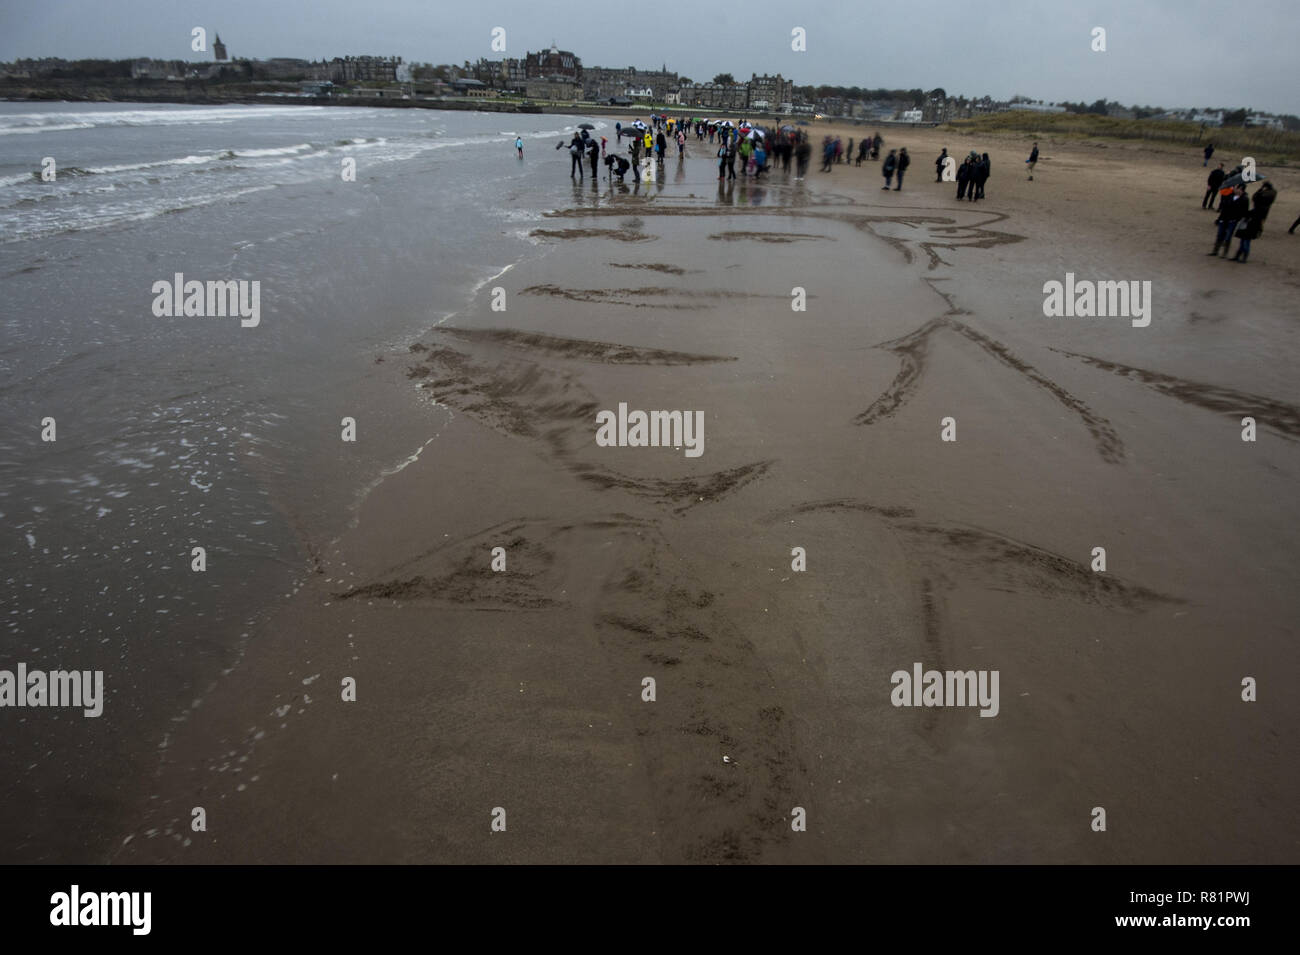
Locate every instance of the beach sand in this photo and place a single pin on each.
(523, 689)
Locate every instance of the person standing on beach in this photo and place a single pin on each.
(731, 158)
(1032, 161)
(661, 146)
(603, 142)
(1264, 197)
(1212, 187)
(722, 162)
(876, 143)
(575, 155)
(1249, 229)
(887, 170)
(519, 145)
(635, 150)
(593, 155)
(938, 165)
(963, 178)
(904, 160)
(618, 133)
(848, 151)
(681, 144)
(1209, 151)
(863, 147)
(982, 169)
(802, 153)
(1232, 209)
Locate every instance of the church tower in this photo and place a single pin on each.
(219, 49)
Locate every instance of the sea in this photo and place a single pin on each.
(171, 433)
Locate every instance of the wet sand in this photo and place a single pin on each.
(522, 689)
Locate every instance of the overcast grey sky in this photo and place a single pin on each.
(1159, 52)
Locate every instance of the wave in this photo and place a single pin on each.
(15, 123)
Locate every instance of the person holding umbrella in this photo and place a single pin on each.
(1232, 209)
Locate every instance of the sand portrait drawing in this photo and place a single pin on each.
(460, 436)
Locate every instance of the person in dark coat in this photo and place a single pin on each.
(863, 148)
(876, 143)
(1249, 228)
(981, 175)
(1209, 151)
(618, 166)
(593, 155)
(887, 170)
(1032, 161)
(1232, 209)
(1264, 197)
(963, 178)
(938, 165)
(1212, 185)
(904, 160)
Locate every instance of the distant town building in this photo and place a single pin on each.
(364, 69)
(560, 88)
(219, 49)
(772, 89)
(912, 116)
(552, 62)
(1037, 107)
(600, 83)
(716, 95)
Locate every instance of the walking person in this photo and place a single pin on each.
(887, 170)
(863, 148)
(939, 164)
(1212, 187)
(681, 144)
(1232, 209)
(519, 146)
(1209, 151)
(803, 153)
(1032, 161)
(731, 158)
(904, 160)
(593, 156)
(722, 163)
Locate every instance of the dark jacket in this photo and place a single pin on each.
(1233, 207)
(904, 160)
(1251, 225)
(980, 171)
(963, 172)
(1264, 201)
(1216, 177)
(890, 164)
(1033, 156)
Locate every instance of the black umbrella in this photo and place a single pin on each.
(586, 126)
(1235, 179)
